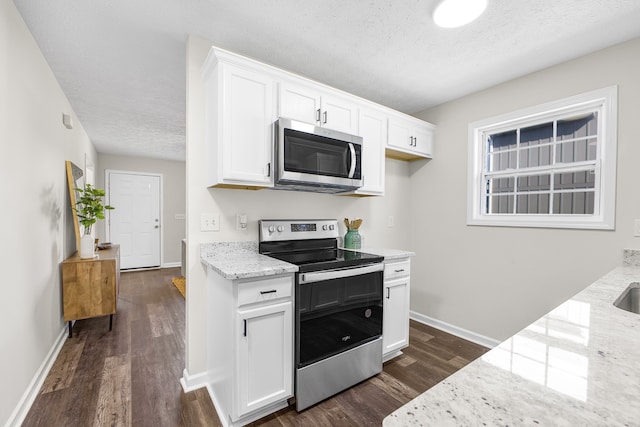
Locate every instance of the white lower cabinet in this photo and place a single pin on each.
(265, 365)
(249, 345)
(395, 324)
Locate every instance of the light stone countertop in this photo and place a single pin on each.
(241, 260)
(579, 365)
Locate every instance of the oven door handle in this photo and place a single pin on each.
(319, 276)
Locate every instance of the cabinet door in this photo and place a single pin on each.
(339, 114)
(247, 126)
(399, 134)
(265, 356)
(299, 103)
(395, 326)
(423, 140)
(373, 130)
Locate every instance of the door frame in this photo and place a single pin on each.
(107, 226)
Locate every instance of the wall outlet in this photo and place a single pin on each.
(241, 221)
(636, 228)
(209, 222)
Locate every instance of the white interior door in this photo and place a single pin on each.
(134, 224)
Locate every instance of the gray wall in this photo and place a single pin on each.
(173, 197)
(36, 228)
(495, 280)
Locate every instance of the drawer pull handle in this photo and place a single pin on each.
(272, 291)
(399, 271)
(388, 293)
(244, 327)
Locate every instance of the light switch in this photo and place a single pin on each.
(209, 222)
(636, 228)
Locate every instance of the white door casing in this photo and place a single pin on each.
(135, 223)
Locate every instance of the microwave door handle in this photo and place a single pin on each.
(352, 169)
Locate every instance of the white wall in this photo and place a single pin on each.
(35, 230)
(173, 197)
(496, 280)
(264, 204)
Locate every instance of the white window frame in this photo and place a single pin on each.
(605, 101)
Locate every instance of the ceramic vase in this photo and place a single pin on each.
(352, 239)
(87, 246)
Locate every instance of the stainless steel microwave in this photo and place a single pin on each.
(312, 158)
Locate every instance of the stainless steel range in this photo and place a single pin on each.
(338, 307)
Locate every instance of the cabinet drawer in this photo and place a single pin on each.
(394, 270)
(264, 290)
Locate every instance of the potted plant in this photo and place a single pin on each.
(89, 208)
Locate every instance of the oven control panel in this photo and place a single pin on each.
(274, 230)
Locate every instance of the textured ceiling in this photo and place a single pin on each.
(121, 63)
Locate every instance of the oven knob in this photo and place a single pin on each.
(324, 227)
(331, 227)
(281, 228)
(272, 229)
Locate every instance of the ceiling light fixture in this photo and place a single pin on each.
(456, 13)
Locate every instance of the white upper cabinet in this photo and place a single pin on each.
(244, 98)
(320, 107)
(409, 138)
(373, 130)
(240, 111)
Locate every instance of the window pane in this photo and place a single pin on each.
(535, 156)
(502, 204)
(535, 135)
(501, 185)
(578, 203)
(533, 204)
(578, 127)
(572, 180)
(576, 151)
(534, 183)
(501, 161)
(501, 141)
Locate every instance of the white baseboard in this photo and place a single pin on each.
(193, 382)
(171, 264)
(24, 404)
(455, 330)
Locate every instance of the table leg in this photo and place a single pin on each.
(110, 322)
(70, 333)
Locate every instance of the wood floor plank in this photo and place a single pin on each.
(64, 368)
(114, 397)
(88, 384)
(160, 320)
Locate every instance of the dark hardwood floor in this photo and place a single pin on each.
(130, 376)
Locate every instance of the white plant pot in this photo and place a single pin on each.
(87, 249)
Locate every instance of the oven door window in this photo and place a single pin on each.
(317, 155)
(337, 315)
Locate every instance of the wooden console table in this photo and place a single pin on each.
(90, 286)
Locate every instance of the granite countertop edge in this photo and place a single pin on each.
(241, 260)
